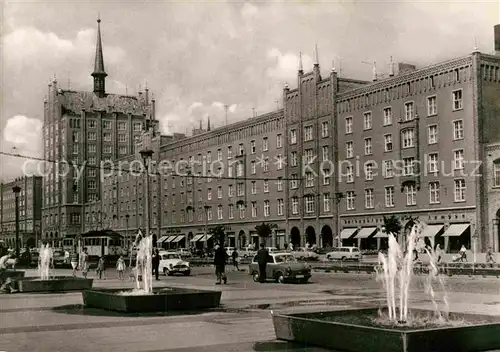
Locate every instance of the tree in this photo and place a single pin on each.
(265, 230)
(218, 233)
(392, 225)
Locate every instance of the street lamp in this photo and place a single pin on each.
(146, 155)
(16, 191)
(205, 244)
(338, 198)
(126, 231)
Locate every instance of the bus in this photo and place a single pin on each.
(99, 243)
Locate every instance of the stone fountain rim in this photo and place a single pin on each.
(395, 329)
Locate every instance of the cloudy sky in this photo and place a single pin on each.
(197, 57)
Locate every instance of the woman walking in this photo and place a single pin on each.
(120, 267)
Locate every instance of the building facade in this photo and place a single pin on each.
(82, 132)
(30, 211)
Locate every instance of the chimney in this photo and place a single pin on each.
(497, 39)
(391, 67)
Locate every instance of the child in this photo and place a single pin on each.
(120, 267)
(100, 268)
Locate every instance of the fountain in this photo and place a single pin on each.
(46, 281)
(145, 298)
(395, 327)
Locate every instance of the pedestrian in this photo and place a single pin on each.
(489, 256)
(120, 267)
(100, 268)
(156, 263)
(463, 253)
(235, 259)
(220, 257)
(262, 259)
(438, 253)
(84, 258)
(74, 261)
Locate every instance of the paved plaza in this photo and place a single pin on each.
(59, 322)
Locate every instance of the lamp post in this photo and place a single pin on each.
(146, 157)
(205, 243)
(338, 198)
(126, 231)
(16, 191)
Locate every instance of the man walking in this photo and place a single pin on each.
(74, 261)
(235, 259)
(156, 263)
(220, 257)
(262, 258)
(84, 262)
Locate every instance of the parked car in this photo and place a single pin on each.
(272, 249)
(305, 254)
(282, 267)
(247, 253)
(172, 263)
(344, 253)
(59, 258)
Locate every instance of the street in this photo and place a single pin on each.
(51, 322)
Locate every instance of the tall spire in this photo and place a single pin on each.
(316, 56)
(301, 68)
(99, 73)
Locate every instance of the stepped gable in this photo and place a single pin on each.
(76, 102)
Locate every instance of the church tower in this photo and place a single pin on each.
(99, 73)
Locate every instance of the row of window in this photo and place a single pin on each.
(107, 125)
(107, 137)
(309, 133)
(409, 112)
(410, 191)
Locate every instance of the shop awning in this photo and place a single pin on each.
(170, 239)
(196, 238)
(431, 230)
(366, 232)
(348, 233)
(456, 230)
(206, 237)
(162, 239)
(178, 238)
(381, 234)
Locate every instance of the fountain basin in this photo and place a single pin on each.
(55, 284)
(355, 331)
(13, 274)
(161, 300)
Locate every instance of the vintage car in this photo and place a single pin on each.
(344, 253)
(304, 254)
(282, 267)
(171, 263)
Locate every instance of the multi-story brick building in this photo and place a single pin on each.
(339, 156)
(30, 211)
(82, 129)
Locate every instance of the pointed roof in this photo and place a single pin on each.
(99, 58)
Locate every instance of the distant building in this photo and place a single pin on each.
(30, 211)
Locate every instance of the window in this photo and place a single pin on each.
(457, 99)
(368, 146)
(324, 129)
(367, 120)
(279, 184)
(309, 156)
(280, 206)
(91, 124)
(389, 196)
(294, 183)
(326, 177)
(266, 164)
(265, 144)
(434, 192)
(209, 157)
(295, 205)
(254, 209)
(92, 148)
(219, 192)
(408, 166)
(388, 142)
(92, 136)
(229, 152)
(350, 200)
(239, 169)
(209, 214)
(348, 124)
(93, 160)
(309, 179)
(253, 167)
(209, 194)
(431, 106)
(411, 194)
(230, 191)
(137, 127)
(122, 137)
(229, 171)
(387, 116)
(325, 152)
(496, 174)
(254, 187)
(369, 203)
(279, 140)
(308, 133)
(408, 138)
(122, 150)
(106, 125)
(252, 147)
(458, 129)
(326, 202)
(219, 154)
(432, 133)
(458, 159)
(122, 125)
(75, 136)
(240, 190)
(368, 171)
(459, 190)
(349, 149)
(266, 186)
(267, 208)
(293, 159)
(241, 149)
(231, 211)
(409, 111)
(432, 163)
(293, 136)
(241, 208)
(350, 174)
(220, 212)
(92, 184)
(309, 204)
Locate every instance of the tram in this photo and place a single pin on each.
(99, 243)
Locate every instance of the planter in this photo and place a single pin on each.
(355, 331)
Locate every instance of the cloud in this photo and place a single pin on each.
(286, 65)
